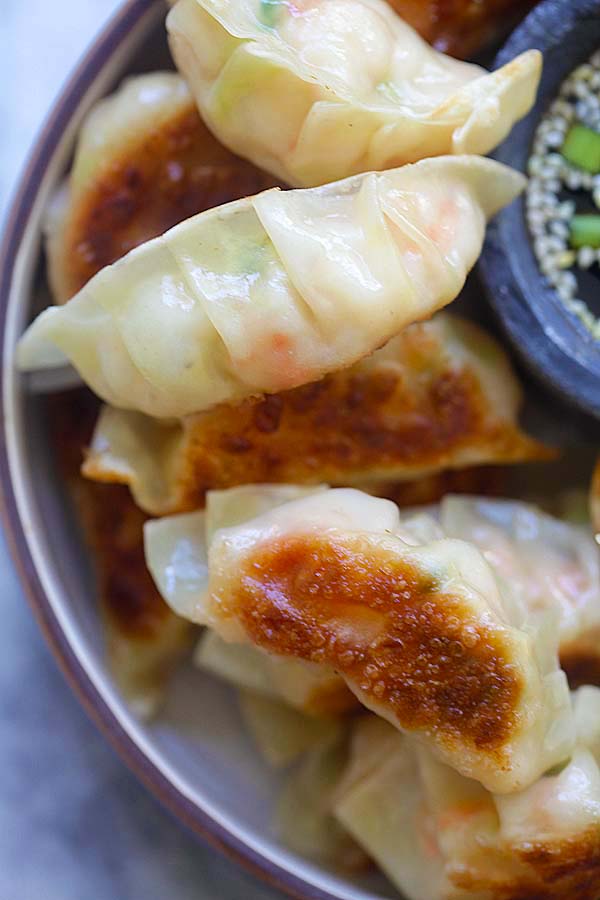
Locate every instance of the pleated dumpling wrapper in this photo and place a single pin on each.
(552, 563)
(441, 395)
(316, 90)
(439, 836)
(413, 622)
(276, 290)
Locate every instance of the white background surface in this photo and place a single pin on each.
(74, 824)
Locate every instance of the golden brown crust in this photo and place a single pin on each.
(386, 627)
(167, 175)
(461, 27)
(543, 870)
(380, 422)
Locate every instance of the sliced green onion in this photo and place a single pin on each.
(584, 231)
(582, 148)
(268, 12)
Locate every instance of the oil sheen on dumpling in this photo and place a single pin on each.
(419, 631)
(441, 395)
(274, 291)
(313, 689)
(144, 161)
(316, 90)
(440, 836)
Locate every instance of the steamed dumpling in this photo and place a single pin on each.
(440, 836)
(274, 291)
(413, 622)
(144, 161)
(440, 395)
(316, 90)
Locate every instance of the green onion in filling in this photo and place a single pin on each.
(582, 148)
(585, 231)
(268, 12)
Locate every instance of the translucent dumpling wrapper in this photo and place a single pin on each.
(312, 689)
(144, 161)
(552, 564)
(274, 291)
(281, 733)
(441, 395)
(317, 90)
(420, 632)
(304, 816)
(440, 836)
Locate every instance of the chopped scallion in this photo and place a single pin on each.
(582, 148)
(268, 13)
(584, 231)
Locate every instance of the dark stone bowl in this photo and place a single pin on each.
(552, 342)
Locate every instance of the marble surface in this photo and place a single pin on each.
(74, 823)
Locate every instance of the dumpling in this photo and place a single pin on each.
(419, 631)
(283, 734)
(317, 90)
(440, 836)
(274, 291)
(144, 639)
(551, 563)
(313, 689)
(440, 395)
(144, 161)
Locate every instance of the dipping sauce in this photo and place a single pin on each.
(563, 195)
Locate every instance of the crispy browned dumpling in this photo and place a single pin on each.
(144, 161)
(414, 622)
(145, 639)
(442, 395)
(461, 27)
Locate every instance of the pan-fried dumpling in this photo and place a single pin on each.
(144, 639)
(317, 90)
(274, 291)
(419, 631)
(551, 563)
(440, 836)
(440, 395)
(144, 161)
(311, 688)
